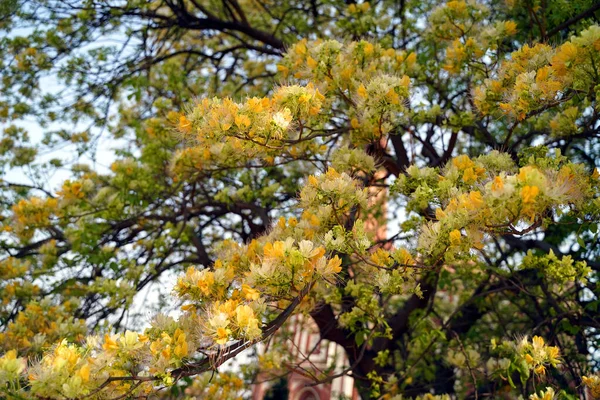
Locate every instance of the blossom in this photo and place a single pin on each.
(282, 119)
(455, 237)
(529, 193)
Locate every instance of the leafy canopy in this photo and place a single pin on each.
(421, 191)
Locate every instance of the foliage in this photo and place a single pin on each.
(259, 160)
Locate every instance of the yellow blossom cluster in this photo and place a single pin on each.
(368, 79)
(11, 268)
(33, 214)
(547, 394)
(455, 18)
(475, 198)
(76, 370)
(460, 25)
(168, 350)
(236, 294)
(593, 384)
(344, 65)
(538, 77)
(370, 83)
(522, 358)
(222, 132)
(75, 190)
(233, 301)
(39, 324)
(258, 119)
(65, 370)
(359, 8)
(221, 386)
(537, 354)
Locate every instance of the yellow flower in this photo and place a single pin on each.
(564, 58)
(529, 359)
(257, 105)
(222, 335)
(476, 199)
(392, 96)
(181, 349)
(411, 59)
(84, 372)
(362, 91)
(540, 370)
(283, 118)
(334, 265)
(184, 124)
(166, 352)
(469, 176)
(497, 184)
(283, 69)
(510, 27)
(227, 308)
(537, 341)
(455, 237)
(250, 293)
(243, 315)
(300, 48)
(505, 107)
(242, 121)
(404, 257)
(247, 321)
(548, 394)
(109, 343)
(593, 383)
(439, 214)
(206, 282)
(457, 6)
(529, 193)
(274, 250)
(11, 365)
(462, 162)
(552, 353)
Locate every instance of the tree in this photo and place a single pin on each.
(254, 155)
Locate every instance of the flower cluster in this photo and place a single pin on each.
(474, 198)
(221, 386)
(593, 384)
(233, 301)
(537, 354)
(547, 394)
(368, 79)
(460, 25)
(538, 77)
(224, 133)
(524, 357)
(33, 214)
(39, 324)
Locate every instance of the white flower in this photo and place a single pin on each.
(282, 118)
(306, 248)
(92, 342)
(219, 320)
(288, 244)
(130, 340)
